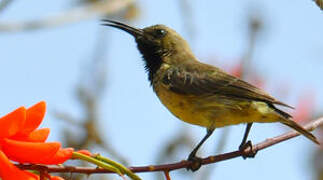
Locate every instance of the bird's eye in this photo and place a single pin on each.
(159, 33)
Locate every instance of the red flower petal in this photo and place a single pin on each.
(34, 117)
(11, 123)
(5, 164)
(38, 135)
(29, 152)
(10, 172)
(56, 178)
(60, 157)
(32, 175)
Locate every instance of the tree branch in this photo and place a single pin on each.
(100, 8)
(182, 164)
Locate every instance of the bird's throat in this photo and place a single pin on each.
(152, 58)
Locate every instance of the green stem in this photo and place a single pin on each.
(97, 162)
(121, 167)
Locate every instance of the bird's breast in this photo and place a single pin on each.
(182, 106)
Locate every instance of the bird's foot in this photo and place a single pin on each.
(196, 162)
(251, 154)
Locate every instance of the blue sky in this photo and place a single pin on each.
(46, 65)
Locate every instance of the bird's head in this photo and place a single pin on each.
(154, 43)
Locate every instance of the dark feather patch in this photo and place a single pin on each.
(152, 58)
(202, 80)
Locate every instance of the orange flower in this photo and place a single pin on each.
(21, 141)
(56, 178)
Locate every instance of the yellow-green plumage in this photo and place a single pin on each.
(215, 111)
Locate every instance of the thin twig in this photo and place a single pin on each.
(166, 173)
(92, 10)
(182, 164)
(223, 140)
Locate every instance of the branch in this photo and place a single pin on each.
(92, 10)
(182, 164)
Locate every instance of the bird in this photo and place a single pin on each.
(199, 93)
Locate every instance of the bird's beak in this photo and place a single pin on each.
(131, 30)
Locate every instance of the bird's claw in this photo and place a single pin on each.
(251, 154)
(196, 162)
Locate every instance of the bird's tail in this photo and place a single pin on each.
(300, 129)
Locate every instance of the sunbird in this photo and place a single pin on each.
(199, 93)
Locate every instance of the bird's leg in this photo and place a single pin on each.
(245, 136)
(245, 144)
(196, 161)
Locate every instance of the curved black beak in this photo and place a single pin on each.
(131, 30)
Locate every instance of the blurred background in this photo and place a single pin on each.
(99, 98)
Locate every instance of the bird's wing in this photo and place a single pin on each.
(203, 80)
